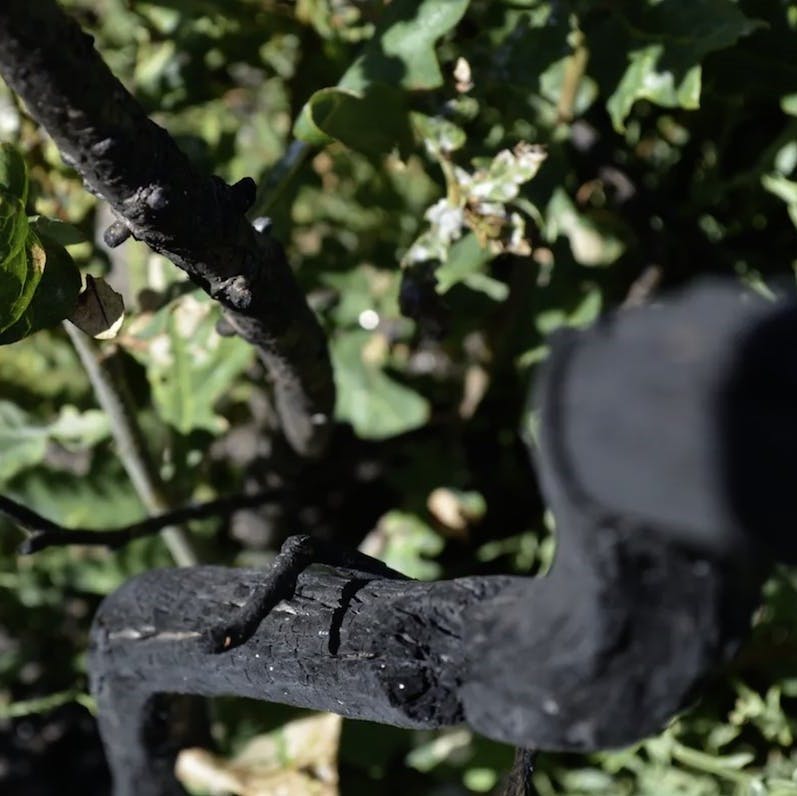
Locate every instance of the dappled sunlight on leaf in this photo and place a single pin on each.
(299, 758)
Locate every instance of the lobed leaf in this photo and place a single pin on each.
(665, 43)
(375, 405)
(367, 109)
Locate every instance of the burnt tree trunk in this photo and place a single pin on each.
(662, 430)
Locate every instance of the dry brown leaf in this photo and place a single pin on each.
(299, 759)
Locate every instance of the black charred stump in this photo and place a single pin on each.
(666, 445)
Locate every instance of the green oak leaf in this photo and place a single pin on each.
(784, 189)
(340, 114)
(465, 258)
(57, 231)
(375, 405)
(24, 440)
(402, 50)
(20, 273)
(13, 261)
(408, 543)
(653, 51)
(367, 109)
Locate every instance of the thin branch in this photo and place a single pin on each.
(518, 781)
(574, 72)
(643, 287)
(110, 390)
(46, 533)
(198, 222)
(271, 189)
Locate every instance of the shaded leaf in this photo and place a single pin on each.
(373, 122)
(366, 110)
(23, 440)
(100, 310)
(57, 231)
(402, 51)
(376, 405)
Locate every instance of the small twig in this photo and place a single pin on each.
(270, 189)
(279, 582)
(643, 287)
(110, 390)
(574, 72)
(46, 533)
(518, 781)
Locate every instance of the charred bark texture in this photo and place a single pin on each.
(644, 442)
(196, 221)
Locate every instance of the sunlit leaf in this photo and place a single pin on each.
(189, 365)
(367, 109)
(592, 242)
(402, 50)
(24, 441)
(298, 758)
(18, 260)
(662, 49)
(465, 257)
(406, 543)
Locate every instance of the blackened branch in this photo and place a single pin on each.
(279, 583)
(196, 221)
(46, 533)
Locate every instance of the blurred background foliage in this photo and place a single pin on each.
(453, 181)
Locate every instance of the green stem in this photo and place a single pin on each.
(574, 72)
(452, 186)
(270, 190)
(111, 393)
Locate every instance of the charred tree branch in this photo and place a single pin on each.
(43, 533)
(663, 433)
(198, 222)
